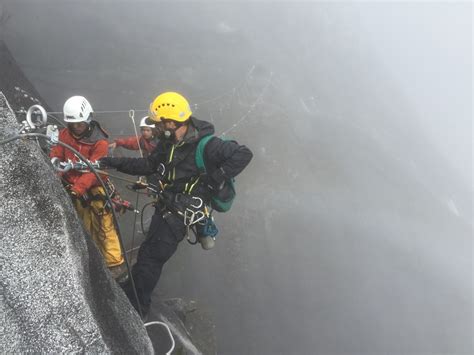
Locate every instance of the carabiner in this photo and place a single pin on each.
(188, 217)
(200, 202)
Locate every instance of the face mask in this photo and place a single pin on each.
(169, 135)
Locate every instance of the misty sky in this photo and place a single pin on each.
(428, 52)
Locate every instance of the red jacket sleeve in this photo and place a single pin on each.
(128, 143)
(88, 180)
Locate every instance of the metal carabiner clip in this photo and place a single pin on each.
(161, 170)
(200, 218)
(188, 217)
(200, 202)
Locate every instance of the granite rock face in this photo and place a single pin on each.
(56, 294)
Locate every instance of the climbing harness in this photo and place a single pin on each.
(190, 208)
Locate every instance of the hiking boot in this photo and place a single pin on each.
(207, 242)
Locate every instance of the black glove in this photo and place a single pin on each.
(107, 162)
(217, 179)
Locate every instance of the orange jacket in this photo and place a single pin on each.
(92, 146)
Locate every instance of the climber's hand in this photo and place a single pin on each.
(107, 162)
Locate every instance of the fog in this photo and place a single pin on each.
(352, 228)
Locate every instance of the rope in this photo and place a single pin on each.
(134, 227)
(133, 249)
(131, 114)
(57, 120)
(252, 107)
(97, 112)
(231, 92)
(115, 176)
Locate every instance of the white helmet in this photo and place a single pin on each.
(77, 109)
(144, 124)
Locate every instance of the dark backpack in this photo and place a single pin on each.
(221, 200)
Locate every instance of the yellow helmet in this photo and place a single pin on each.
(171, 106)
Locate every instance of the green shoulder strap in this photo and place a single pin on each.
(200, 153)
(218, 203)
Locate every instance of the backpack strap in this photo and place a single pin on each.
(219, 202)
(200, 153)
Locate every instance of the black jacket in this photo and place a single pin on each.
(223, 160)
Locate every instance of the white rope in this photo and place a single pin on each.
(131, 114)
(230, 92)
(101, 112)
(252, 107)
(133, 249)
(169, 332)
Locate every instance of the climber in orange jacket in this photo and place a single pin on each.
(89, 198)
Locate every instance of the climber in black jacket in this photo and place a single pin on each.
(185, 190)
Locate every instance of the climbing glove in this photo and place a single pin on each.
(107, 162)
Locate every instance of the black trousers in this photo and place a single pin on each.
(166, 231)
